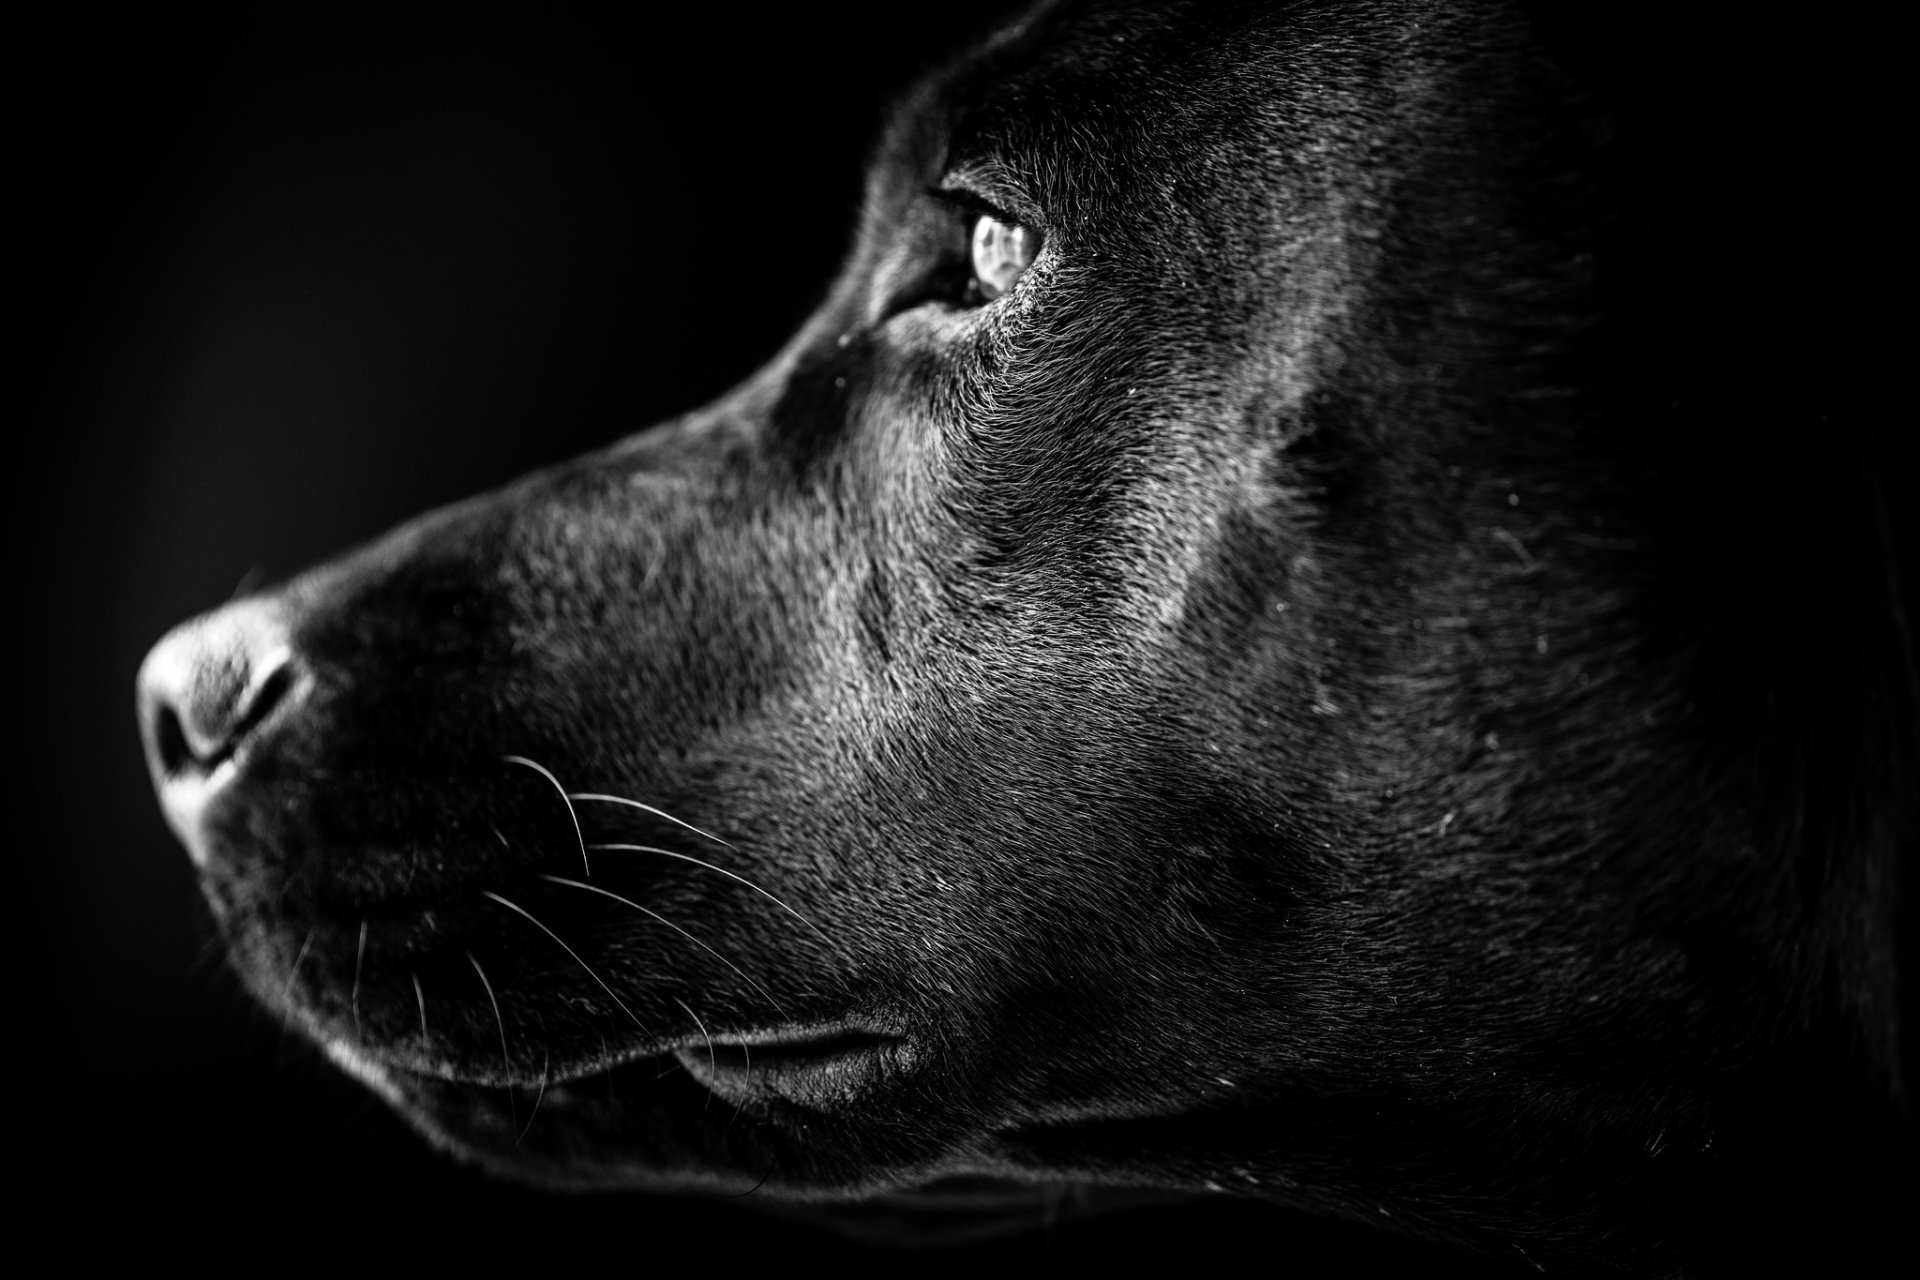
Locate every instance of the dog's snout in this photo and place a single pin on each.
(204, 692)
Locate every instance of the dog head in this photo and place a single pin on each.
(1183, 673)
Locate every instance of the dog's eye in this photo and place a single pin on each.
(1001, 251)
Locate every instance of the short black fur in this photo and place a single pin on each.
(1377, 676)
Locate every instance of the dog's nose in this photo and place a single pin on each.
(205, 691)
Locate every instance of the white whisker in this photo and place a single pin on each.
(713, 1058)
(651, 914)
(252, 578)
(518, 909)
(420, 998)
(645, 808)
(546, 1063)
(286, 990)
(498, 1021)
(359, 958)
(687, 857)
(513, 1109)
(565, 798)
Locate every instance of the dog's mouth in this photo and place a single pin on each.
(725, 1113)
(819, 1067)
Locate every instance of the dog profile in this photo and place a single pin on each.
(1250, 646)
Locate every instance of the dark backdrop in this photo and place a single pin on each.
(290, 279)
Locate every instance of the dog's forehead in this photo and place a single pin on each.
(1086, 103)
(1070, 91)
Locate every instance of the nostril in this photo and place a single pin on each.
(269, 686)
(209, 685)
(197, 731)
(170, 749)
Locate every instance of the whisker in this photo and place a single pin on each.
(645, 808)
(359, 956)
(687, 857)
(501, 1023)
(518, 909)
(420, 998)
(208, 954)
(546, 1062)
(651, 914)
(763, 1181)
(713, 1058)
(565, 798)
(252, 578)
(286, 990)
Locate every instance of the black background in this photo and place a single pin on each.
(288, 280)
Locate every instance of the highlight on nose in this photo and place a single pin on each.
(204, 692)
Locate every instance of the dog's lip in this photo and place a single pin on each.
(383, 1070)
(818, 1066)
(814, 1065)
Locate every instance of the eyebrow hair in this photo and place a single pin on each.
(987, 180)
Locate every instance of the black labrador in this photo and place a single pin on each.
(1263, 640)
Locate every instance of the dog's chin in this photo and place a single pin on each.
(694, 1105)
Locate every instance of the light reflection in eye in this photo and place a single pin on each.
(1001, 251)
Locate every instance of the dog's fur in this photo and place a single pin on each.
(1327, 689)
